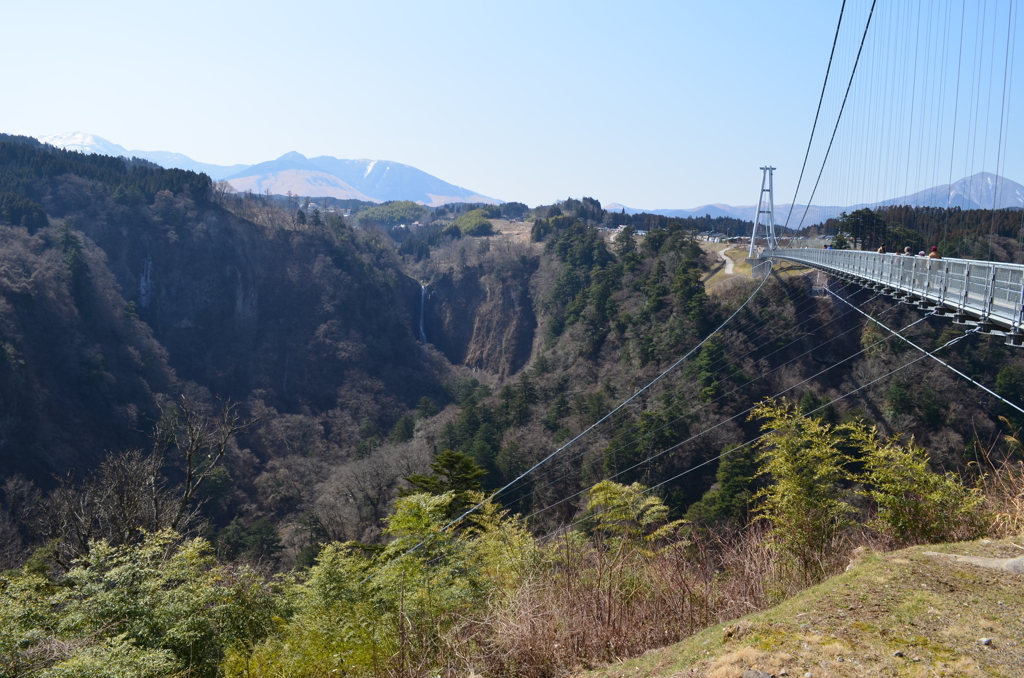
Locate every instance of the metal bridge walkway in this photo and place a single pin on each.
(985, 294)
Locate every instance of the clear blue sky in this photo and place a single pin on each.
(649, 104)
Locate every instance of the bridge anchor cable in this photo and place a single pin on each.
(524, 474)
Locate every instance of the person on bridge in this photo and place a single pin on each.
(881, 250)
(907, 252)
(934, 254)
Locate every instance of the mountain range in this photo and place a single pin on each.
(376, 180)
(371, 180)
(979, 191)
(90, 143)
(384, 180)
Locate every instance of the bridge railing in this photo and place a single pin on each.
(988, 293)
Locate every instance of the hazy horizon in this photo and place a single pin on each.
(661, 105)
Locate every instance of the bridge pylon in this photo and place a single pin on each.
(769, 227)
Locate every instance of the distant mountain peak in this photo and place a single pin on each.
(83, 142)
(376, 180)
(983, 190)
(364, 179)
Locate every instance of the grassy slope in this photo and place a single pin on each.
(716, 280)
(932, 611)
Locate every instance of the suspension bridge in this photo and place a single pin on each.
(909, 110)
(931, 87)
(986, 295)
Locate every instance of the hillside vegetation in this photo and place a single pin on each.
(227, 451)
(448, 595)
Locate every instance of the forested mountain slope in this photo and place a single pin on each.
(610, 319)
(128, 286)
(137, 260)
(379, 379)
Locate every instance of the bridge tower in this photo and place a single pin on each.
(769, 228)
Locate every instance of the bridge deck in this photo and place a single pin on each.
(983, 293)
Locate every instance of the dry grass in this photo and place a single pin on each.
(900, 613)
(592, 604)
(1002, 481)
(517, 231)
(1004, 488)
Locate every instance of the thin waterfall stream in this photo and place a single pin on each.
(423, 306)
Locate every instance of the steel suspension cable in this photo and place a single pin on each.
(717, 364)
(739, 387)
(721, 361)
(936, 359)
(703, 406)
(479, 505)
(1002, 107)
(956, 108)
(839, 117)
(913, 99)
(767, 433)
(732, 418)
(821, 98)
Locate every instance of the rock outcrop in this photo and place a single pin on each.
(482, 316)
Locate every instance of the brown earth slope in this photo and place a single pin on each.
(905, 613)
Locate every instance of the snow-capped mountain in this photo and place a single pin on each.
(984, 190)
(373, 180)
(85, 143)
(378, 180)
(90, 143)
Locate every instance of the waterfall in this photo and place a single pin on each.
(423, 306)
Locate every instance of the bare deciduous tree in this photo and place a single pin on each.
(128, 495)
(201, 441)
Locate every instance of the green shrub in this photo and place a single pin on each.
(361, 615)
(474, 223)
(628, 513)
(156, 608)
(805, 462)
(808, 461)
(915, 505)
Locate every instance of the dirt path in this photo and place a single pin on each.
(729, 264)
(1015, 565)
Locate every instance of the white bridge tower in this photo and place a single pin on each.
(769, 228)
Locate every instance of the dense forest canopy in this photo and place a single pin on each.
(25, 166)
(393, 214)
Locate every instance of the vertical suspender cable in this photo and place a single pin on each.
(1002, 107)
(913, 98)
(956, 110)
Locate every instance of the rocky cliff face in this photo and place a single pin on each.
(482, 316)
(118, 305)
(294, 314)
